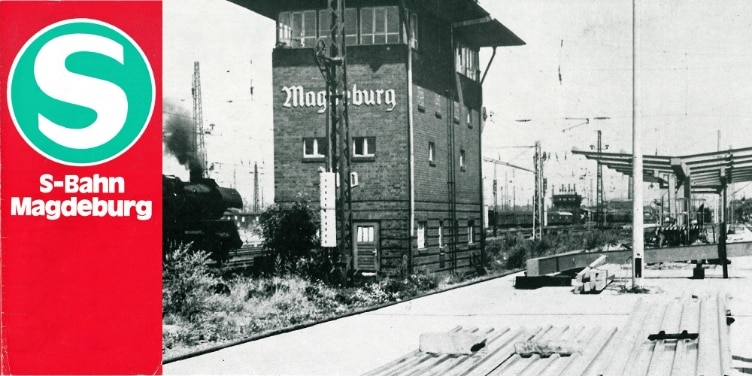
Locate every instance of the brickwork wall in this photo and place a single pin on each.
(434, 81)
(382, 195)
(432, 124)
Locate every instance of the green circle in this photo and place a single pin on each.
(27, 101)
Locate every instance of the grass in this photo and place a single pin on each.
(252, 306)
(203, 309)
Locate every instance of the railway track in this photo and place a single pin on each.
(245, 258)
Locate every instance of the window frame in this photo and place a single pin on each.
(368, 148)
(467, 61)
(462, 159)
(318, 151)
(373, 34)
(414, 31)
(420, 98)
(470, 232)
(324, 31)
(441, 234)
(432, 153)
(438, 102)
(420, 234)
(289, 29)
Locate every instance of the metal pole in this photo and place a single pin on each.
(599, 213)
(637, 228)
(723, 231)
(540, 192)
(496, 204)
(506, 191)
(410, 125)
(661, 216)
(535, 189)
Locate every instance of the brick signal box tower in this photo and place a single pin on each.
(416, 117)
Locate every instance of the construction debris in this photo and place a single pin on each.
(592, 280)
(534, 282)
(452, 343)
(544, 349)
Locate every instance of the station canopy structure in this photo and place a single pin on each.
(705, 172)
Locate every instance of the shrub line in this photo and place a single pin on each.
(337, 317)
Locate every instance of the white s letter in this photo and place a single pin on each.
(107, 99)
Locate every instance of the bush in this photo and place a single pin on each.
(320, 265)
(187, 283)
(517, 256)
(289, 234)
(512, 252)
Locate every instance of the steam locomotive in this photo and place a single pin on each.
(192, 213)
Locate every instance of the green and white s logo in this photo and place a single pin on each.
(81, 92)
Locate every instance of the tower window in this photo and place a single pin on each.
(467, 62)
(297, 29)
(379, 25)
(351, 25)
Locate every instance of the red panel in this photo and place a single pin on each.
(81, 295)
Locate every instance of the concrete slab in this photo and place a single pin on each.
(358, 344)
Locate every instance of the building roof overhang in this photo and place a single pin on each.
(708, 172)
(486, 32)
(473, 22)
(452, 10)
(265, 8)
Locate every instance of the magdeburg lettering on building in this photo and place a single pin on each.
(298, 96)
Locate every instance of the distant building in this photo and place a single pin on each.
(243, 219)
(447, 117)
(569, 202)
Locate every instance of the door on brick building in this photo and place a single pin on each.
(366, 246)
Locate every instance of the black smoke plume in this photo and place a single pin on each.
(179, 138)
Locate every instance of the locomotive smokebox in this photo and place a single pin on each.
(193, 214)
(205, 199)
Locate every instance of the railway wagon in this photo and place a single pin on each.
(524, 219)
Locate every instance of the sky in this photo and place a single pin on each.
(694, 75)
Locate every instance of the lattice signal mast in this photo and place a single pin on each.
(331, 59)
(198, 122)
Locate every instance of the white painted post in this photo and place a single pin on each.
(637, 225)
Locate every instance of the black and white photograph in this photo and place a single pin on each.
(457, 187)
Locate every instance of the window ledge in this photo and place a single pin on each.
(363, 158)
(314, 159)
